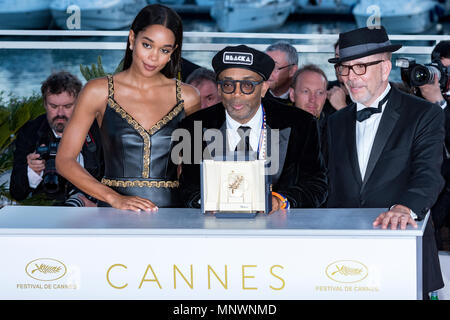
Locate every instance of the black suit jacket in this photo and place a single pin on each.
(404, 166)
(32, 134)
(301, 176)
(405, 162)
(269, 98)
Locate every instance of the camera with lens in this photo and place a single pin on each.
(416, 75)
(73, 198)
(50, 177)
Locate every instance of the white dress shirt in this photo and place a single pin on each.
(366, 131)
(255, 124)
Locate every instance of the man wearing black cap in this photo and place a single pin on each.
(242, 73)
(385, 149)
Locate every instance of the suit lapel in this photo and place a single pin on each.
(279, 146)
(350, 131)
(216, 148)
(387, 124)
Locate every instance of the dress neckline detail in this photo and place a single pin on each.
(133, 122)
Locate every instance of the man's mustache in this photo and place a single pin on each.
(352, 84)
(60, 117)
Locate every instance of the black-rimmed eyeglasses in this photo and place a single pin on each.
(246, 86)
(359, 68)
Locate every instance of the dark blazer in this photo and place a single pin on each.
(32, 134)
(404, 165)
(301, 176)
(269, 99)
(405, 162)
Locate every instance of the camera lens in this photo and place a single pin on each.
(421, 75)
(50, 177)
(51, 183)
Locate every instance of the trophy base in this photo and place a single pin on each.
(236, 215)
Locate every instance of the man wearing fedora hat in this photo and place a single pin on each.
(385, 149)
(246, 124)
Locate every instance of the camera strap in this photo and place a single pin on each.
(90, 143)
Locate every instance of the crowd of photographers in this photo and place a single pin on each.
(305, 87)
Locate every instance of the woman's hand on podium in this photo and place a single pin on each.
(133, 203)
(398, 215)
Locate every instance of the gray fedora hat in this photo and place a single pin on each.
(363, 42)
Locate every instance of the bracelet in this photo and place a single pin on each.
(284, 201)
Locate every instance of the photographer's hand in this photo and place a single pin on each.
(34, 163)
(86, 201)
(337, 97)
(432, 92)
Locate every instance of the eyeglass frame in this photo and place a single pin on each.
(278, 69)
(350, 67)
(254, 83)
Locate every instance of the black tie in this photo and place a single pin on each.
(365, 113)
(244, 143)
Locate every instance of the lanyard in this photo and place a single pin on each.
(262, 137)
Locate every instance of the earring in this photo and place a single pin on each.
(131, 48)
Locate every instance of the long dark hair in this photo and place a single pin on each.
(162, 15)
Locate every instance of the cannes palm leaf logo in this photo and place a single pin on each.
(43, 268)
(46, 269)
(347, 271)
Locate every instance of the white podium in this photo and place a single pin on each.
(180, 254)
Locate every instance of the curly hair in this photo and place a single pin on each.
(59, 82)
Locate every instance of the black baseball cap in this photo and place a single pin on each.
(244, 57)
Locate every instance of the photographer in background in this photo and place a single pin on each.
(37, 142)
(438, 93)
(431, 82)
